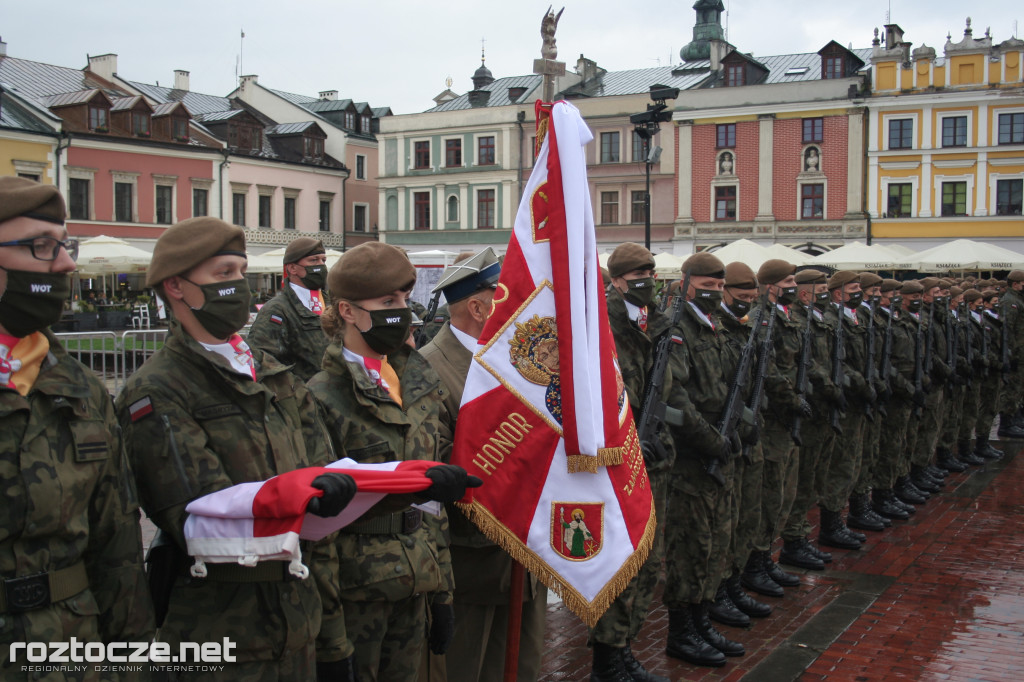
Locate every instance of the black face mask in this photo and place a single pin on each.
(896, 303)
(706, 300)
(640, 292)
(33, 300)
(316, 277)
(739, 308)
(225, 307)
(874, 300)
(855, 299)
(915, 306)
(786, 296)
(821, 301)
(389, 328)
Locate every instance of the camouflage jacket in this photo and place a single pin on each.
(780, 382)
(433, 326)
(369, 426)
(68, 499)
(855, 355)
(993, 339)
(194, 426)
(1011, 312)
(935, 327)
(878, 330)
(290, 332)
(819, 372)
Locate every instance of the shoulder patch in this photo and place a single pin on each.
(440, 318)
(277, 319)
(140, 408)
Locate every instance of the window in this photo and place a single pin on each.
(812, 201)
(200, 202)
(1011, 128)
(421, 210)
(364, 125)
(421, 158)
(833, 67)
(813, 128)
(901, 133)
(452, 153)
(350, 120)
(360, 167)
(98, 119)
(164, 204)
(899, 200)
(734, 75)
(359, 218)
(637, 207)
(313, 148)
(609, 208)
(264, 210)
(238, 209)
(180, 129)
(1008, 197)
(609, 147)
(123, 204)
(725, 202)
(485, 208)
(140, 123)
(78, 199)
(453, 209)
(485, 150)
(34, 177)
(289, 213)
(726, 135)
(250, 138)
(325, 215)
(639, 153)
(954, 131)
(954, 198)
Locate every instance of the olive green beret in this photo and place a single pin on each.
(605, 277)
(971, 295)
(869, 279)
(912, 286)
(774, 271)
(302, 247)
(929, 283)
(628, 257)
(24, 197)
(370, 270)
(704, 264)
(1015, 276)
(955, 291)
(674, 287)
(191, 242)
(891, 285)
(989, 293)
(841, 279)
(740, 276)
(811, 276)
(945, 283)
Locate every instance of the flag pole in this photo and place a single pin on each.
(515, 621)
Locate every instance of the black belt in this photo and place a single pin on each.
(42, 589)
(405, 522)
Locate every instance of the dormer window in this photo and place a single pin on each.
(365, 125)
(735, 75)
(180, 129)
(832, 67)
(248, 138)
(99, 119)
(313, 148)
(350, 120)
(140, 124)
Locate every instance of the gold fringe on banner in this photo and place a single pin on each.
(606, 457)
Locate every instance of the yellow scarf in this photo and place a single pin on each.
(25, 359)
(387, 373)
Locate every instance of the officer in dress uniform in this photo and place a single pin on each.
(70, 545)
(288, 326)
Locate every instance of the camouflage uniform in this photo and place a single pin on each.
(958, 395)
(992, 383)
(932, 417)
(391, 567)
(873, 425)
(68, 500)
(1011, 312)
(290, 332)
(894, 454)
(977, 368)
(210, 428)
(433, 326)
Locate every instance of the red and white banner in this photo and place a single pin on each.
(544, 420)
(264, 520)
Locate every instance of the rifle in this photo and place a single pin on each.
(801, 373)
(733, 411)
(919, 364)
(887, 369)
(929, 345)
(838, 375)
(969, 344)
(431, 311)
(870, 371)
(984, 339)
(951, 349)
(757, 393)
(652, 407)
(1005, 333)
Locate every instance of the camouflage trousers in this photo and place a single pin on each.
(388, 636)
(844, 464)
(818, 440)
(301, 666)
(1012, 393)
(869, 457)
(893, 460)
(728, 514)
(929, 426)
(749, 484)
(622, 621)
(693, 501)
(953, 412)
(971, 407)
(991, 391)
(781, 465)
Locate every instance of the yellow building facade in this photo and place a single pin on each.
(945, 142)
(28, 140)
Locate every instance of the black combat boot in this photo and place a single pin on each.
(831, 532)
(826, 557)
(744, 602)
(635, 670)
(710, 634)
(860, 515)
(608, 665)
(797, 553)
(724, 611)
(1008, 428)
(936, 472)
(965, 453)
(948, 461)
(776, 573)
(986, 451)
(923, 481)
(906, 491)
(757, 579)
(685, 642)
(873, 515)
(882, 501)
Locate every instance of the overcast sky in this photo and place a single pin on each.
(399, 52)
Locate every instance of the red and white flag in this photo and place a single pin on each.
(264, 520)
(544, 419)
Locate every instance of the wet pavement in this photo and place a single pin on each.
(938, 597)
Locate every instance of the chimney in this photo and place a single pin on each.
(245, 82)
(586, 69)
(515, 93)
(718, 49)
(478, 98)
(181, 80)
(3, 48)
(328, 95)
(104, 66)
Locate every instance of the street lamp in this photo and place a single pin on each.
(646, 127)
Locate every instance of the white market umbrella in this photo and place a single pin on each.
(666, 265)
(269, 263)
(105, 255)
(965, 254)
(860, 256)
(744, 251)
(789, 255)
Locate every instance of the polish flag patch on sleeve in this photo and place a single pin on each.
(140, 408)
(277, 319)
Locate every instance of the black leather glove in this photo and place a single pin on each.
(442, 628)
(919, 398)
(449, 483)
(926, 382)
(750, 434)
(804, 409)
(337, 671)
(736, 443)
(339, 489)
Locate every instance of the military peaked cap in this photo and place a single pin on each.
(462, 280)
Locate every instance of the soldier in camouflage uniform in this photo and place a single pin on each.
(984, 362)
(962, 385)
(1011, 312)
(194, 415)
(993, 382)
(288, 327)
(923, 442)
(70, 546)
(382, 402)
